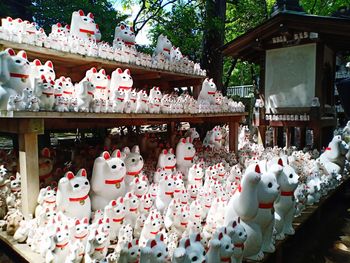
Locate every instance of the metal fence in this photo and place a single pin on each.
(244, 91)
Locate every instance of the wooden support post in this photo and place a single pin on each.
(29, 169)
(280, 136)
(171, 133)
(292, 135)
(262, 135)
(317, 132)
(233, 134)
(275, 136)
(302, 137)
(288, 137)
(196, 90)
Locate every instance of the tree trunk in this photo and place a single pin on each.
(213, 39)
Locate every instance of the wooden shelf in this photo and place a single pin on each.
(75, 66)
(15, 121)
(88, 115)
(18, 252)
(28, 125)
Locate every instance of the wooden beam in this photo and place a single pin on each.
(22, 125)
(29, 169)
(146, 76)
(185, 82)
(288, 136)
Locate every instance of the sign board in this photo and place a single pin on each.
(290, 77)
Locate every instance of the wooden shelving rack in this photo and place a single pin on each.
(28, 125)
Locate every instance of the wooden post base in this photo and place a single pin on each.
(29, 170)
(233, 133)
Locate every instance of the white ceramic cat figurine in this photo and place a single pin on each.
(142, 102)
(332, 158)
(15, 71)
(132, 205)
(115, 211)
(285, 203)
(80, 231)
(139, 186)
(121, 80)
(260, 229)
(119, 101)
(130, 253)
(96, 247)
(195, 175)
(45, 91)
(208, 91)
(244, 203)
(83, 26)
(165, 193)
(190, 250)
(126, 34)
(238, 237)
(57, 246)
(73, 195)
(151, 228)
(133, 162)
(163, 47)
(39, 69)
(159, 251)
(85, 95)
(167, 160)
(100, 80)
(220, 247)
(46, 199)
(107, 180)
(185, 152)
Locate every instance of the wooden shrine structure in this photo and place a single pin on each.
(296, 53)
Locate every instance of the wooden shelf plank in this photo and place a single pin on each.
(89, 115)
(22, 252)
(79, 64)
(13, 121)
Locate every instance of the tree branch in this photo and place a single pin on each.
(154, 14)
(143, 7)
(229, 73)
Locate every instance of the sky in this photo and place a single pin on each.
(141, 37)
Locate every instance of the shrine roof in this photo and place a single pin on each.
(251, 46)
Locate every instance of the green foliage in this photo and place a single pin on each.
(49, 12)
(241, 17)
(245, 15)
(323, 7)
(182, 24)
(183, 21)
